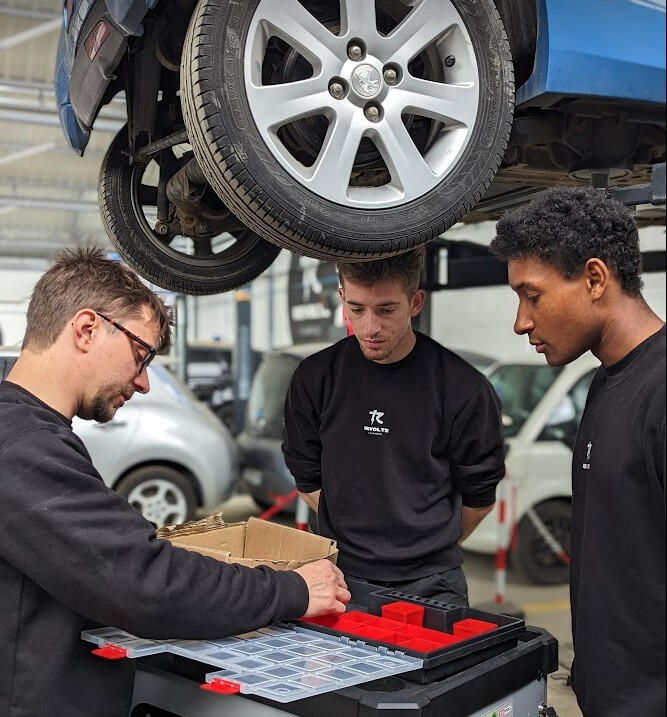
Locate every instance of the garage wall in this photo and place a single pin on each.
(481, 319)
(16, 284)
(478, 319)
(213, 318)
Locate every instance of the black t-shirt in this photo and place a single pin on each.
(618, 539)
(75, 555)
(396, 448)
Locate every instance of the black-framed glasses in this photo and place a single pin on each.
(152, 350)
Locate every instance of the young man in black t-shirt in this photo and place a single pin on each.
(395, 441)
(574, 261)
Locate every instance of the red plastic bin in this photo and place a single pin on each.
(471, 627)
(404, 612)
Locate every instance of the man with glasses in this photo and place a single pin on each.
(74, 554)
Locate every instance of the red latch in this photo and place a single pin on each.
(222, 687)
(110, 652)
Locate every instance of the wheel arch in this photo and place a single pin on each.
(161, 463)
(520, 20)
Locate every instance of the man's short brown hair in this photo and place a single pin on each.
(405, 268)
(86, 279)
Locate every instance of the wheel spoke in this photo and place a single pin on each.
(421, 28)
(279, 104)
(179, 505)
(406, 165)
(290, 21)
(161, 491)
(331, 174)
(358, 18)
(454, 103)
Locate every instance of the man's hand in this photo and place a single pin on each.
(327, 589)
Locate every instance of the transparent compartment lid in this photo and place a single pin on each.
(279, 663)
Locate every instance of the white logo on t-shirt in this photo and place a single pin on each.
(377, 427)
(587, 464)
(376, 416)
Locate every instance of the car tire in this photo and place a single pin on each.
(162, 494)
(143, 249)
(532, 556)
(242, 160)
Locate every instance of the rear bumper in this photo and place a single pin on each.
(263, 470)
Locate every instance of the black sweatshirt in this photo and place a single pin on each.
(618, 539)
(396, 448)
(75, 555)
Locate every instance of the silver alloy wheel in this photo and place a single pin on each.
(160, 501)
(433, 25)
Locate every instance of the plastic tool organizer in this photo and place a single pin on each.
(279, 663)
(447, 638)
(382, 636)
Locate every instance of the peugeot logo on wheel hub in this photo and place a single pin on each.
(366, 81)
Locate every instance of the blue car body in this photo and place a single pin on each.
(599, 48)
(128, 17)
(605, 49)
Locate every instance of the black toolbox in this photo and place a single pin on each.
(437, 616)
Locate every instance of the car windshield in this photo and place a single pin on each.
(267, 395)
(520, 388)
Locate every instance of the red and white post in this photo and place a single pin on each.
(301, 522)
(504, 533)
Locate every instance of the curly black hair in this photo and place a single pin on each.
(566, 227)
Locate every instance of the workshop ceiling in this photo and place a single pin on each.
(48, 194)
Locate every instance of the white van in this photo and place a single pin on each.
(542, 408)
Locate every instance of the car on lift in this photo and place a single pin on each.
(164, 451)
(542, 407)
(349, 128)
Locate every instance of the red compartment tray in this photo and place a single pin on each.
(401, 626)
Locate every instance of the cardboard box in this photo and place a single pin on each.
(256, 542)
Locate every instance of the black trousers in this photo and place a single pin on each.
(449, 586)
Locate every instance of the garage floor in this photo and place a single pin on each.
(547, 607)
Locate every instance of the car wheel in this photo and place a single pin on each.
(162, 494)
(358, 130)
(206, 264)
(533, 557)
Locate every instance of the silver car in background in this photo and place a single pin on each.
(165, 451)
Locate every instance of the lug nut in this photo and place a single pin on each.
(355, 53)
(372, 113)
(450, 61)
(390, 76)
(337, 90)
(161, 228)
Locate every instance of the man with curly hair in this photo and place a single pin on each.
(574, 261)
